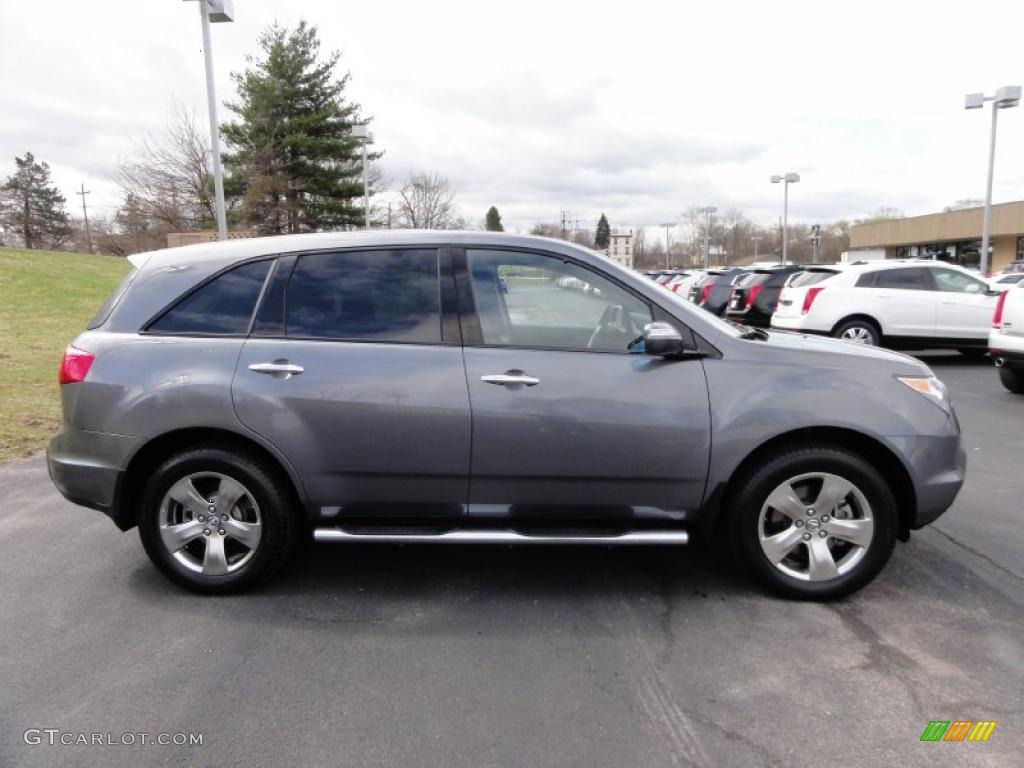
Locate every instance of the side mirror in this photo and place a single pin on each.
(662, 340)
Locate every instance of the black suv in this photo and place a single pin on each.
(711, 290)
(756, 294)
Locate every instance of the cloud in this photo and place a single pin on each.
(637, 111)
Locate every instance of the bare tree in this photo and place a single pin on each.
(964, 204)
(425, 201)
(170, 178)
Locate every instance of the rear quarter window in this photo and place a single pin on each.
(112, 300)
(222, 307)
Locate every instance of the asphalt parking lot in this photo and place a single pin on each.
(448, 656)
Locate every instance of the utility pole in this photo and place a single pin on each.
(667, 227)
(85, 215)
(756, 240)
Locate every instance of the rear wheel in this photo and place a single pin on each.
(216, 521)
(816, 522)
(858, 331)
(1013, 379)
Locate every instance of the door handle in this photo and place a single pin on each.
(281, 369)
(510, 378)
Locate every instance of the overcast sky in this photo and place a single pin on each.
(637, 109)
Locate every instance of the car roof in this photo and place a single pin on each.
(241, 249)
(881, 264)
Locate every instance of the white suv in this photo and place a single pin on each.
(903, 304)
(1006, 341)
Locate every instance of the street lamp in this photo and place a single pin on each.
(786, 179)
(1006, 97)
(707, 210)
(363, 133)
(215, 11)
(667, 227)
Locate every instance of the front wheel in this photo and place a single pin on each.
(216, 521)
(816, 522)
(1013, 379)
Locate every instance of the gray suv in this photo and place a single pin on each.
(231, 399)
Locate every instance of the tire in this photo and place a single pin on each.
(259, 533)
(1013, 379)
(859, 331)
(798, 566)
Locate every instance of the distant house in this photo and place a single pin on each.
(620, 247)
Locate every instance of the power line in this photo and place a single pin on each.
(85, 215)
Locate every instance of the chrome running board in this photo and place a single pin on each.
(501, 537)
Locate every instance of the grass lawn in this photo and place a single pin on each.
(46, 299)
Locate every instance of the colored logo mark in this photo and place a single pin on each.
(958, 730)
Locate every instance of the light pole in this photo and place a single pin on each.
(667, 227)
(1006, 97)
(786, 179)
(215, 11)
(363, 133)
(756, 240)
(707, 211)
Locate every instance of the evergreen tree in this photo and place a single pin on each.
(492, 222)
(32, 207)
(292, 154)
(603, 234)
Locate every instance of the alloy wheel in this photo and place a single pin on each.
(210, 523)
(815, 526)
(859, 335)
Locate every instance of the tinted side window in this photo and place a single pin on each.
(365, 295)
(867, 280)
(913, 278)
(108, 306)
(222, 306)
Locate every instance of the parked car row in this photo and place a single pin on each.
(900, 304)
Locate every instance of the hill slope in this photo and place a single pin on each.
(46, 299)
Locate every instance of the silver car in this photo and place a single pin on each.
(230, 399)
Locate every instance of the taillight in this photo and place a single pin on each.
(997, 318)
(752, 294)
(704, 293)
(75, 365)
(809, 297)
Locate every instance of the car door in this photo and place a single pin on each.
(568, 422)
(904, 301)
(965, 307)
(354, 372)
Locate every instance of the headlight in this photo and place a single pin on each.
(929, 386)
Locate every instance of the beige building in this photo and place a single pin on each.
(620, 248)
(954, 236)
